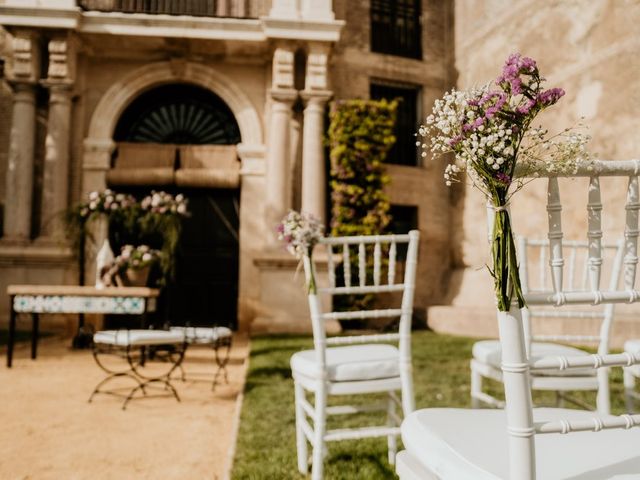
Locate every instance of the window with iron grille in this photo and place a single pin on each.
(404, 151)
(395, 27)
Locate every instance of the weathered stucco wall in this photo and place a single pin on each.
(589, 48)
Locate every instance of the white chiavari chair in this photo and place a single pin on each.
(356, 364)
(520, 442)
(536, 277)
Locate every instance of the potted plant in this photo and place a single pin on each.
(131, 267)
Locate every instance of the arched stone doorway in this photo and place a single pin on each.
(182, 138)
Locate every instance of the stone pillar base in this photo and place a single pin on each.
(283, 305)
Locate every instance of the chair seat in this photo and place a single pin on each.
(126, 338)
(461, 444)
(203, 334)
(352, 363)
(632, 346)
(490, 352)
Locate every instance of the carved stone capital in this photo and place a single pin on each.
(317, 68)
(62, 59)
(25, 65)
(283, 68)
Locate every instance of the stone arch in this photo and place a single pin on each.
(121, 93)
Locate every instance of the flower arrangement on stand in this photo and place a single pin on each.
(300, 233)
(155, 220)
(162, 214)
(131, 266)
(489, 132)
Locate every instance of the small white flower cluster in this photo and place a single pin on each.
(163, 202)
(561, 154)
(107, 201)
(300, 232)
(489, 143)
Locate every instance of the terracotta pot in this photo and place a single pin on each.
(133, 277)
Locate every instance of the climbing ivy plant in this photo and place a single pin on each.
(360, 136)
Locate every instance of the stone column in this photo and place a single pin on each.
(278, 158)
(316, 95)
(314, 180)
(283, 95)
(55, 188)
(23, 74)
(19, 192)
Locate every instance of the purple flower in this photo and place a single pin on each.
(477, 122)
(526, 108)
(504, 178)
(551, 96)
(455, 140)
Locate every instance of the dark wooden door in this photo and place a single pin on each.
(205, 288)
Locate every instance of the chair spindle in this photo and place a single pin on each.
(631, 233)
(554, 209)
(594, 234)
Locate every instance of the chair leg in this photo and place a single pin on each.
(319, 427)
(629, 389)
(392, 441)
(301, 440)
(476, 388)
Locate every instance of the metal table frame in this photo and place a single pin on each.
(67, 299)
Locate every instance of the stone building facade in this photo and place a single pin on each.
(74, 75)
(76, 72)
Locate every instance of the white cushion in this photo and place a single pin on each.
(490, 352)
(472, 444)
(124, 338)
(352, 363)
(203, 334)
(632, 346)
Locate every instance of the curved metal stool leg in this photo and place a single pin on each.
(221, 361)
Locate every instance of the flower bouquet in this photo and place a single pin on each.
(132, 266)
(488, 130)
(301, 232)
(105, 202)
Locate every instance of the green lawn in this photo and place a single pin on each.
(266, 443)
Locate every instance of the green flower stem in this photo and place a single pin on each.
(505, 262)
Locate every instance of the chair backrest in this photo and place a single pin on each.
(368, 265)
(535, 275)
(516, 369)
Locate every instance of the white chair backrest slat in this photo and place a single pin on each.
(376, 263)
(594, 233)
(391, 272)
(554, 209)
(362, 264)
(631, 233)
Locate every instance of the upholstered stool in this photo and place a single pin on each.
(137, 347)
(218, 338)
